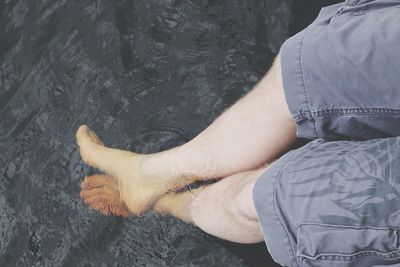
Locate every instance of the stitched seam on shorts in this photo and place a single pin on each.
(346, 111)
(353, 256)
(280, 221)
(349, 226)
(303, 79)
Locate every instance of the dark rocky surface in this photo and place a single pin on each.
(146, 76)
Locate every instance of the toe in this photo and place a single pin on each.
(105, 191)
(84, 134)
(107, 205)
(94, 153)
(98, 180)
(95, 138)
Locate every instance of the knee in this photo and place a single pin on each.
(242, 203)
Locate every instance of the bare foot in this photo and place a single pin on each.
(101, 193)
(137, 192)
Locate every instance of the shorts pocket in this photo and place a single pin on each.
(317, 243)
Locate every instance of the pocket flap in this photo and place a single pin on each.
(322, 240)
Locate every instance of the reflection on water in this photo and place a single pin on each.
(145, 75)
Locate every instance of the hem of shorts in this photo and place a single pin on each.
(306, 120)
(275, 234)
(294, 85)
(345, 111)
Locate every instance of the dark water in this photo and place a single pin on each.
(146, 75)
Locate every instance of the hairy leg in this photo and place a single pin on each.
(224, 209)
(253, 131)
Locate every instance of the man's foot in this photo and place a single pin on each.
(137, 192)
(101, 193)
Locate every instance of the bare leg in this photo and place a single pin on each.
(253, 131)
(224, 209)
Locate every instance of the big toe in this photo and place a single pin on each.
(111, 161)
(85, 136)
(90, 147)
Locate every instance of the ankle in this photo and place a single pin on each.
(177, 205)
(157, 167)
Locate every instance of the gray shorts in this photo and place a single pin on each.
(341, 75)
(337, 203)
(333, 203)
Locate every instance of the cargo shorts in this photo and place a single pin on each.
(336, 200)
